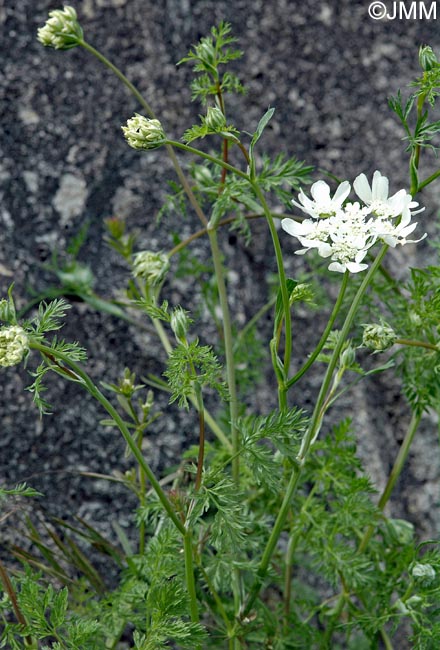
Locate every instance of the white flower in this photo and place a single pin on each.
(376, 197)
(345, 237)
(396, 234)
(14, 344)
(143, 133)
(322, 205)
(345, 233)
(62, 30)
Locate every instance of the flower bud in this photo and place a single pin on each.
(62, 30)
(423, 572)
(206, 51)
(427, 58)
(378, 337)
(14, 344)
(400, 531)
(215, 119)
(150, 266)
(142, 133)
(179, 324)
(348, 357)
(115, 227)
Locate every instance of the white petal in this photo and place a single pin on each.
(342, 192)
(379, 190)
(295, 228)
(336, 266)
(391, 240)
(353, 267)
(362, 188)
(403, 232)
(325, 250)
(320, 192)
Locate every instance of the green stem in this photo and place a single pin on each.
(308, 438)
(229, 351)
(207, 156)
(417, 344)
(386, 640)
(427, 181)
(232, 387)
(415, 156)
(282, 388)
(189, 573)
(395, 473)
(81, 376)
(324, 336)
(217, 599)
(201, 454)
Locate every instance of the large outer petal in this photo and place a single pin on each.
(380, 187)
(362, 188)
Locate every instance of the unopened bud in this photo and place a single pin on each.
(143, 133)
(427, 58)
(150, 266)
(423, 572)
(401, 531)
(115, 227)
(348, 357)
(215, 119)
(179, 324)
(62, 30)
(378, 337)
(14, 344)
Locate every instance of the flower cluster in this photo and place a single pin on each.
(14, 344)
(143, 133)
(344, 232)
(62, 30)
(378, 337)
(151, 266)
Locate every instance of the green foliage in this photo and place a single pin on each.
(20, 490)
(47, 616)
(207, 56)
(50, 316)
(280, 173)
(273, 538)
(193, 364)
(229, 132)
(267, 441)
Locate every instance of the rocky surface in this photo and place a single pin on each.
(326, 67)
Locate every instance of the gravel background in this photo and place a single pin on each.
(326, 67)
